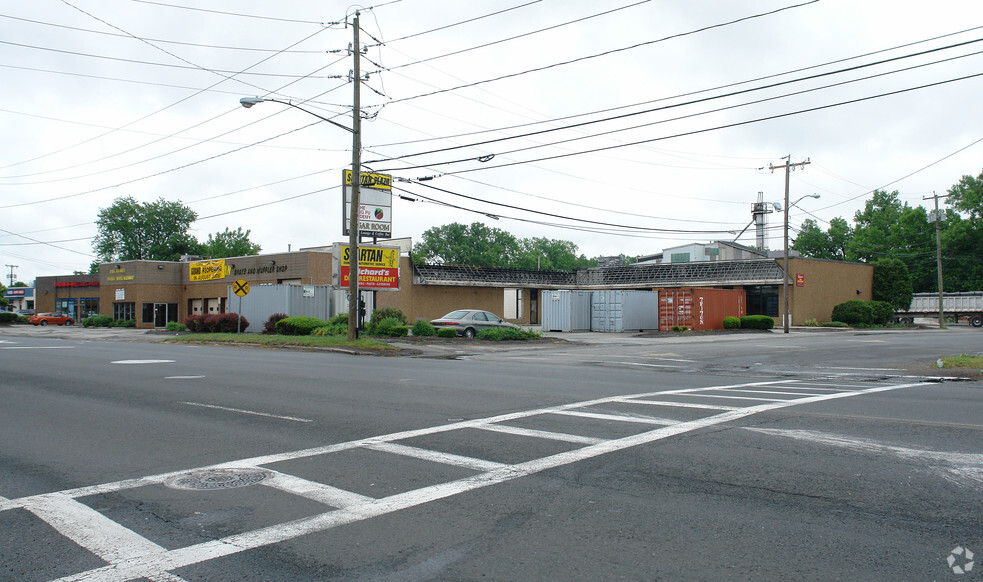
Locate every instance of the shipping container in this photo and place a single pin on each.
(699, 308)
(566, 310)
(616, 310)
(262, 301)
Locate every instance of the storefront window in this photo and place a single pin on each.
(148, 312)
(123, 311)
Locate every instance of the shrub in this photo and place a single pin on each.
(423, 328)
(388, 327)
(835, 324)
(125, 323)
(382, 314)
(883, 312)
(498, 334)
(8, 317)
(731, 322)
(333, 330)
(757, 322)
(678, 328)
(195, 323)
(175, 326)
(302, 325)
(812, 322)
(98, 321)
(854, 312)
(269, 327)
(446, 332)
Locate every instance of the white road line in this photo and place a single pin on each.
(774, 392)
(37, 347)
(853, 368)
(542, 434)
(253, 412)
(183, 377)
(619, 417)
(130, 362)
(92, 530)
(962, 468)
(149, 565)
(314, 491)
(686, 405)
(644, 365)
(740, 397)
(437, 456)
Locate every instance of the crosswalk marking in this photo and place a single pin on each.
(130, 556)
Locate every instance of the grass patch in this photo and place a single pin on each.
(962, 361)
(272, 341)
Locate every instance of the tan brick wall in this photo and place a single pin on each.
(432, 301)
(826, 284)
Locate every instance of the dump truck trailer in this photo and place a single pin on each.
(967, 305)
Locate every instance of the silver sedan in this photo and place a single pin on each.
(468, 322)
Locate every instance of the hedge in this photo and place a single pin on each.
(757, 322)
(301, 325)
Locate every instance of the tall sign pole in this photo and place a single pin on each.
(353, 238)
(788, 166)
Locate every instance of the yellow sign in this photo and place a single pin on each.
(372, 257)
(370, 180)
(207, 270)
(241, 287)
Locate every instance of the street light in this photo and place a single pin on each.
(785, 268)
(353, 302)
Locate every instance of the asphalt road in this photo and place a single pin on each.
(762, 457)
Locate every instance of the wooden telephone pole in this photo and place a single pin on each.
(938, 251)
(788, 166)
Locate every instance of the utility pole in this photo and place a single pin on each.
(788, 166)
(353, 238)
(11, 275)
(938, 251)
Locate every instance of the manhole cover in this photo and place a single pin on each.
(217, 479)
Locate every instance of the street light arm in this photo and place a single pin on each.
(248, 102)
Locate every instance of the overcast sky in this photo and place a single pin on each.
(111, 98)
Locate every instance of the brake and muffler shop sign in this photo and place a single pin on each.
(378, 267)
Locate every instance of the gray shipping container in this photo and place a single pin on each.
(616, 310)
(294, 300)
(566, 310)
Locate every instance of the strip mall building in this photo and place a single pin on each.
(156, 292)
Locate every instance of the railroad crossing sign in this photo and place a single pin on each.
(240, 287)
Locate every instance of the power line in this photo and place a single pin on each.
(715, 128)
(237, 14)
(518, 36)
(691, 93)
(162, 41)
(452, 25)
(605, 53)
(696, 101)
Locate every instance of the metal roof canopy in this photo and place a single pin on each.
(704, 273)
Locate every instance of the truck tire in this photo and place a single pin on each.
(976, 321)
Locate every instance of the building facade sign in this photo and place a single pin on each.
(207, 270)
(378, 267)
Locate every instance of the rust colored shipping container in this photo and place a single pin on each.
(699, 308)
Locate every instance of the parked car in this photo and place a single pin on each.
(468, 322)
(25, 312)
(57, 318)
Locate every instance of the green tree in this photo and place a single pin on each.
(544, 253)
(20, 284)
(813, 242)
(966, 196)
(474, 245)
(892, 283)
(130, 230)
(230, 243)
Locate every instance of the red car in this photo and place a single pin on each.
(46, 318)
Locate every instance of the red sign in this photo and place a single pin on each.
(78, 284)
(372, 277)
(800, 280)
